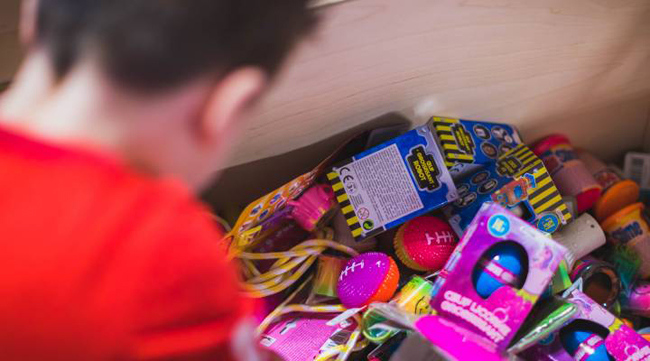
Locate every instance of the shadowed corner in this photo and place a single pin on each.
(4, 86)
(242, 184)
(321, 3)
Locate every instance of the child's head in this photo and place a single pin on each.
(184, 71)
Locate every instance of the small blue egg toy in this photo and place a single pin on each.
(502, 264)
(585, 346)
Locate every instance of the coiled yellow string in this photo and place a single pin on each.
(279, 277)
(289, 266)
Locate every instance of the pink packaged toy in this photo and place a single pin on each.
(456, 343)
(496, 274)
(593, 334)
(304, 338)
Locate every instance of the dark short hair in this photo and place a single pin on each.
(158, 44)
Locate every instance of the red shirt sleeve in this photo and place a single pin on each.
(190, 304)
(100, 263)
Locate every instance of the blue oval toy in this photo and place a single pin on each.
(585, 346)
(502, 264)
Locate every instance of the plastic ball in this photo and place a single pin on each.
(503, 264)
(367, 278)
(425, 243)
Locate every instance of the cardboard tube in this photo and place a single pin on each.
(580, 237)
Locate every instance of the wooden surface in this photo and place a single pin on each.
(9, 47)
(581, 67)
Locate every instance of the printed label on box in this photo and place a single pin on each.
(380, 188)
(637, 168)
(387, 185)
(499, 315)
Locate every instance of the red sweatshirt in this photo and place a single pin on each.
(98, 262)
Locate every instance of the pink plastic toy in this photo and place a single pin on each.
(313, 206)
(425, 243)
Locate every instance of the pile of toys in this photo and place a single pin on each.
(451, 241)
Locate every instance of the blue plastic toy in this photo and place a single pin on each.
(501, 265)
(577, 340)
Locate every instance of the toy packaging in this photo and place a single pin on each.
(304, 338)
(547, 316)
(454, 342)
(495, 252)
(593, 333)
(637, 169)
(392, 183)
(569, 173)
(265, 216)
(517, 181)
(628, 228)
(497, 273)
(470, 145)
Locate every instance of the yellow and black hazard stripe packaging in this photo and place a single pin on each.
(391, 183)
(469, 145)
(518, 181)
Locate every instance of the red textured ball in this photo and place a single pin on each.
(425, 243)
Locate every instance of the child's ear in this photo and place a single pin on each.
(229, 101)
(28, 17)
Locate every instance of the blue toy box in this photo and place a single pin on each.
(469, 145)
(517, 181)
(392, 183)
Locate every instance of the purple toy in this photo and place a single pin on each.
(367, 278)
(638, 301)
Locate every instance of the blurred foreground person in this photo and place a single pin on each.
(121, 112)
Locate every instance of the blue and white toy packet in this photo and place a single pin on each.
(470, 145)
(387, 185)
(517, 181)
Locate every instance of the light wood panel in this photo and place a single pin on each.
(577, 66)
(9, 46)
(9, 15)
(580, 67)
(9, 55)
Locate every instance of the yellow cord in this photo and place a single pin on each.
(289, 266)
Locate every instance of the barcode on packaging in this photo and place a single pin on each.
(637, 168)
